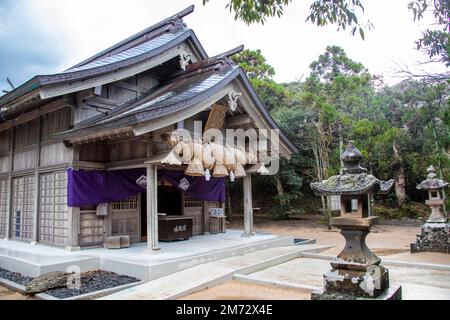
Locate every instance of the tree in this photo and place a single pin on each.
(436, 41)
(287, 181)
(343, 13)
(260, 74)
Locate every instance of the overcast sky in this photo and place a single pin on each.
(48, 36)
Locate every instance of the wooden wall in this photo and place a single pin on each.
(54, 154)
(127, 150)
(117, 93)
(38, 190)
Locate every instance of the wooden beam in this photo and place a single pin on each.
(129, 86)
(88, 165)
(237, 121)
(49, 107)
(216, 117)
(100, 135)
(125, 164)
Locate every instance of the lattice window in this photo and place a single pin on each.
(23, 207)
(190, 202)
(128, 204)
(3, 207)
(54, 213)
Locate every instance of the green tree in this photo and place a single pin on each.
(343, 13)
(260, 74)
(435, 41)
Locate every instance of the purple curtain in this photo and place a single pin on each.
(87, 188)
(197, 187)
(93, 187)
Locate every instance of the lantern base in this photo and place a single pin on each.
(392, 293)
(434, 237)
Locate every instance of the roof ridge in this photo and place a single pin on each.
(172, 20)
(220, 61)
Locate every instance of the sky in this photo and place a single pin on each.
(48, 36)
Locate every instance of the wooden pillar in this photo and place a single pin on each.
(74, 229)
(36, 203)
(37, 185)
(248, 206)
(9, 210)
(73, 241)
(152, 209)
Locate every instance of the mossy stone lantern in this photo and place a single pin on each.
(356, 271)
(434, 236)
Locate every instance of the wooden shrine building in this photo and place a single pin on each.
(113, 113)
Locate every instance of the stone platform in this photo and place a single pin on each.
(35, 260)
(434, 237)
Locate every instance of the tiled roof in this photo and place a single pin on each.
(143, 48)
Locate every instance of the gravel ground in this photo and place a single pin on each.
(90, 281)
(93, 281)
(14, 276)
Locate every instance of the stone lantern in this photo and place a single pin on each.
(356, 272)
(435, 232)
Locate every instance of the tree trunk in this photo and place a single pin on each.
(399, 176)
(280, 190)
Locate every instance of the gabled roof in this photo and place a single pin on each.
(141, 46)
(137, 38)
(186, 90)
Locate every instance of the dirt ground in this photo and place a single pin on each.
(6, 294)
(385, 236)
(235, 290)
(387, 241)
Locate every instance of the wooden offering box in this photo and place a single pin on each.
(172, 228)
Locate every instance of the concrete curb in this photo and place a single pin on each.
(12, 286)
(92, 295)
(277, 284)
(409, 264)
(309, 241)
(387, 262)
(313, 255)
(87, 296)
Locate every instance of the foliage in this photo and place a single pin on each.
(251, 11)
(436, 42)
(343, 13)
(342, 101)
(339, 12)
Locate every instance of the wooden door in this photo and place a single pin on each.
(91, 227)
(126, 216)
(54, 212)
(194, 208)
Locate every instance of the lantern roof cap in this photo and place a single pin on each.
(432, 182)
(353, 178)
